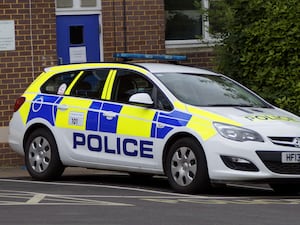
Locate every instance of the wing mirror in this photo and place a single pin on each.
(141, 98)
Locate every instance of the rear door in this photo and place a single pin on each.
(78, 118)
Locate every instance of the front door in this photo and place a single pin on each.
(78, 39)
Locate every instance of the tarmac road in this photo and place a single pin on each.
(84, 196)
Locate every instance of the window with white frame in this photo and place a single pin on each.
(185, 26)
(64, 5)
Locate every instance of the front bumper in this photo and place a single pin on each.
(264, 156)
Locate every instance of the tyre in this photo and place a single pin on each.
(286, 188)
(41, 156)
(186, 167)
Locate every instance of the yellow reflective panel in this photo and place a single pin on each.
(179, 105)
(106, 93)
(38, 82)
(202, 120)
(135, 121)
(211, 116)
(25, 109)
(72, 113)
(83, 66)
(201, 126)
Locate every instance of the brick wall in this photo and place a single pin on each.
(144, 29)
(201, 57)
(35, 49)
(138, 27)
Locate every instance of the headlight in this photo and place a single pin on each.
(237, 133)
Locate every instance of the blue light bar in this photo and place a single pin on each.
(150, 56)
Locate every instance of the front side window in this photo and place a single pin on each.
(128, 83)
(209, 90)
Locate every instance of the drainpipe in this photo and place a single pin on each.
(125, 25)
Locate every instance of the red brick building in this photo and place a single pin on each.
(43, 33)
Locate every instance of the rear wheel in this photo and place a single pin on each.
(186, 167)
(41, 156)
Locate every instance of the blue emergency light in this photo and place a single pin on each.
(127, 56)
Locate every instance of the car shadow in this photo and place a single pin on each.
(160, 184)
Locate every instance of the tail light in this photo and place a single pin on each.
(19, 102)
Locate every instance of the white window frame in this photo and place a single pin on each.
(207, 41)
(77, 9)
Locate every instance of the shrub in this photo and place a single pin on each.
(261, 48)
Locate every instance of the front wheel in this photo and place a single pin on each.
(41, 156)
(186, 167)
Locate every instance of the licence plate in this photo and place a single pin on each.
(290, 157)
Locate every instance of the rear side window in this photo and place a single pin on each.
(90, 84)
(58, 83)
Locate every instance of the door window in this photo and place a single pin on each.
(128, 83)
(90, 84)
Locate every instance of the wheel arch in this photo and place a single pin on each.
(31, 129)
(174, 138)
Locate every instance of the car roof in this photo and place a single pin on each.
(169, 68)
(152, 67)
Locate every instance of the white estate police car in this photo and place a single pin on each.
(195, 126)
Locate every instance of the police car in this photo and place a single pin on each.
(195, 126)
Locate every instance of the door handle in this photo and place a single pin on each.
(109, 115)
(160, 125)
(62, 107)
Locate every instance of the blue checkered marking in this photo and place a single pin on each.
(96, 121)
(109, 125)
(44, 106)
(92, 121)
(169, 121)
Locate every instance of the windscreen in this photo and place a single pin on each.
(209, 90)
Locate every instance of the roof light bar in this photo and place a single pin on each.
(127, 56)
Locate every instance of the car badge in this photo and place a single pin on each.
(296, 142)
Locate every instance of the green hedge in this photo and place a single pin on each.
(261, 48)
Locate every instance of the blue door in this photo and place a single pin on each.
(78, 39)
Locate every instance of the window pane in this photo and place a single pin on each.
(209, 90)
(88, 3)
(183, 20)
(129, 83)
(58, 83)
(179, 4)
(64, 3)
(91, 84)
(183, 25)
(76, 35)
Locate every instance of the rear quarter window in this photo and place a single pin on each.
(58, 83)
